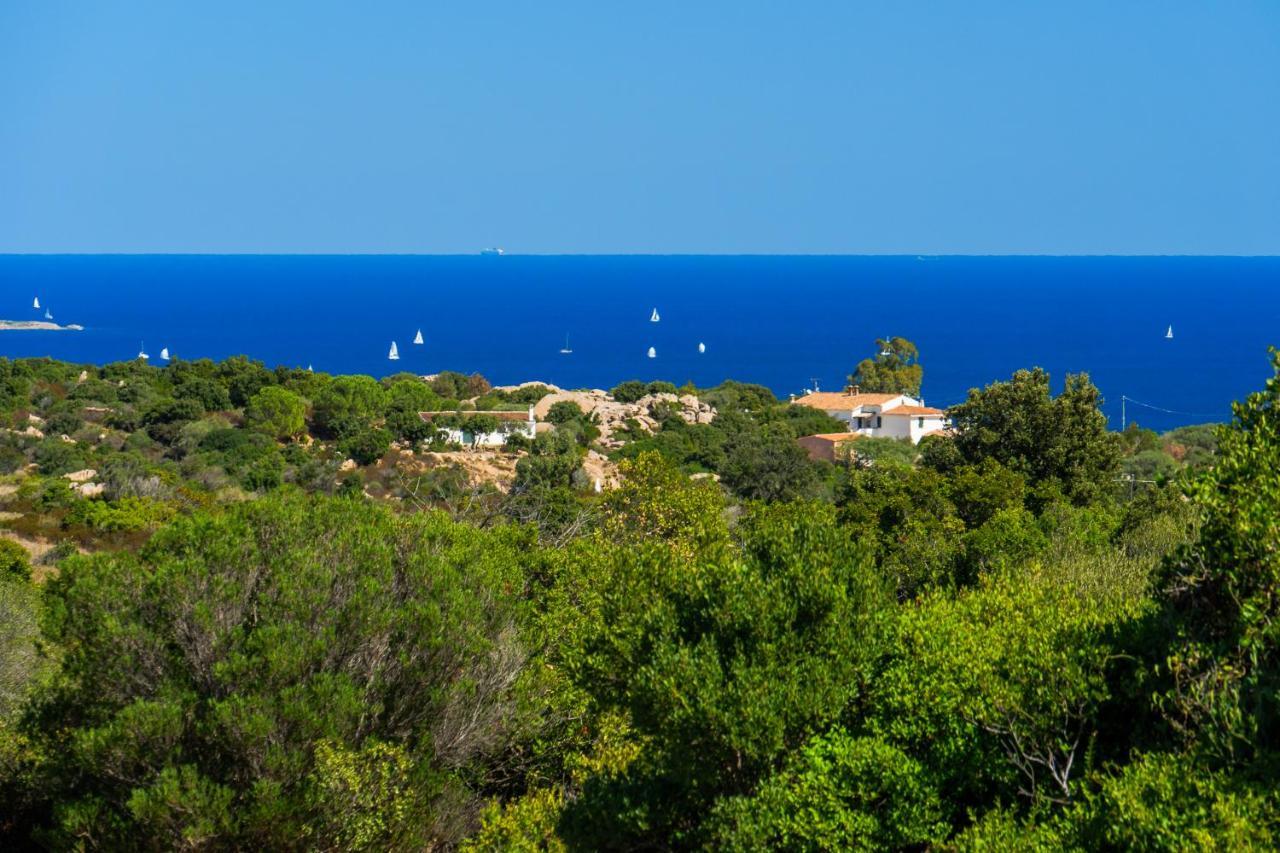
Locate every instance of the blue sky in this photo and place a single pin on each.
(599, 127)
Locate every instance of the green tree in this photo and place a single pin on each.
(348, 404)
(20, 658)
(838, 792)
(244, 377)
(723, 663)
(1059, 442)
(209, 393)
(314, 672)
(14, 561)
(1225, 600)
(894, 370)
(366, 446)
(765, 463)
(276, 412)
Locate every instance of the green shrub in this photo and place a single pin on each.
(14, 561)
(367, 446)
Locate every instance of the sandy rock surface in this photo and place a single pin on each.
(612, 415)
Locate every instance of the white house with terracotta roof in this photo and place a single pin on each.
(508, 423)
(878, 415)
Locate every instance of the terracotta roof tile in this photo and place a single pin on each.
(832, 401)
(910, 411)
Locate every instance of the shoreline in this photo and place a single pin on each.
(37, 326)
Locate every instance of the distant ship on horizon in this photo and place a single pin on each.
(493, 250)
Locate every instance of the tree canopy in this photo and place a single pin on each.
(894, 369)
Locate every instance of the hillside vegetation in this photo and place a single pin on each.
(248, 608)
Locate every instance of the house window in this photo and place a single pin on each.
(920, 422)
(877, 422)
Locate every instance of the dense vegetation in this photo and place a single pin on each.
(1033, 633)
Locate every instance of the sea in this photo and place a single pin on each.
(788, 322)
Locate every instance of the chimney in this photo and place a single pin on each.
(852, 390)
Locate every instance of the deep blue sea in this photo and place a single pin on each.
(781, 321)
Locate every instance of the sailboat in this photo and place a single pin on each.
(653, 353)
(142, 352)
(417, 339)
(47, 315)
(35, 303)
(394, 355)
(702, 348)
(1168, 336)
(564, 350)
(653, 318)
(164, 353)
(310, 369)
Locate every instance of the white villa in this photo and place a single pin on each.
(510, 423)
(879, 415)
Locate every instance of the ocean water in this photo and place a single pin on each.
(780, 321)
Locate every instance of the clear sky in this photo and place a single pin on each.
(805, 127)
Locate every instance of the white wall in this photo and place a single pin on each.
(498, 438)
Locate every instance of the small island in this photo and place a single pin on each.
(37, 325)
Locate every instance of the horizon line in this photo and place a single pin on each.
(477, 254)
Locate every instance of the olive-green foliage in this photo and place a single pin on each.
(366, 446)
(907, 518)
(63, 418)
(276, 412)
(244, 377)
(452, 385)
(208, 392)
(723, 663)
(348, 404)
(56, 457)
(1149, 466)
(543, 494)
(15, 564)
(764, 462)
(1225, 660)
(568, 416)
(1021, 663)
(164, 418)
(694, 447)
(1193, 446)
(628, 392)
(870, 450)
(126, 515)
(292, 669)
(731, 396)
(20, 660)
(838, 792)
(1055, 441)
(895, 369)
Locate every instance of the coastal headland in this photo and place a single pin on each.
(37, 326)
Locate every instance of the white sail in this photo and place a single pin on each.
(653, 318)
(310, 369)
(702, 348)
(394, 355)
(35, 303)
(47, 315)
(1169, 334)
(164, 353)
(417, 339)
(142, 352)
(653, 353)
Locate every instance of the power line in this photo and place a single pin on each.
(1125, 399)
